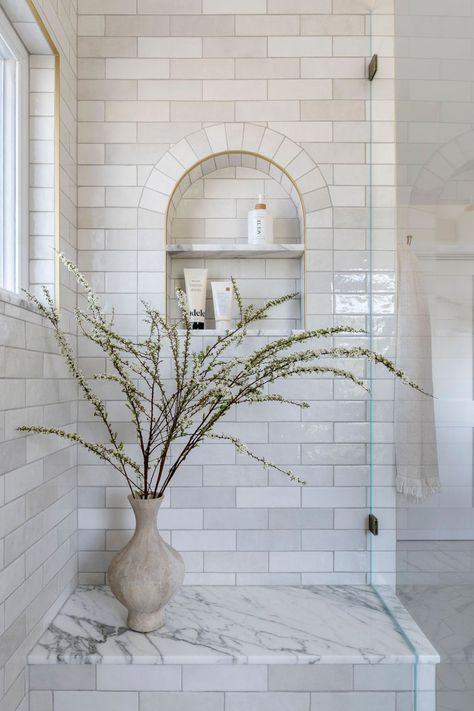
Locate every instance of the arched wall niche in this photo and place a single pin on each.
(253, 164)
(437, 208)
(246, 147)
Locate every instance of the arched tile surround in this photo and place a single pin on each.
(443, 166)
(214, 147)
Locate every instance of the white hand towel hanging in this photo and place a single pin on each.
(416, 457)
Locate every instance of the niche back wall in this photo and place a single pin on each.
(152, 72)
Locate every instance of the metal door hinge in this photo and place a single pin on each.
(373, 66)
(373, 524)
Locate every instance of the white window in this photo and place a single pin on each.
(13, 158)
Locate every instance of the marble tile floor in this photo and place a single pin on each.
(445, 612)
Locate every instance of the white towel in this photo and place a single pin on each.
(416, 456)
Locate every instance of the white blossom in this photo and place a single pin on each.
(206, 384)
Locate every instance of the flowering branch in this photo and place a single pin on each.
(207, 384)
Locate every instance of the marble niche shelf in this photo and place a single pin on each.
(320, 648)
(235, 251)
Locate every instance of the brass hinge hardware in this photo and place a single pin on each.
(373, 524)
(373, 66)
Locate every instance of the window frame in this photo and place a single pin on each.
(14, 159)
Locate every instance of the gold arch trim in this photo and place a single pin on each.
(238, 151)
(57, 143)
(282, 170)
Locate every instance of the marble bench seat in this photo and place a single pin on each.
(235, 648)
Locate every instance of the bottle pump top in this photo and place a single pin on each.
(260, 205)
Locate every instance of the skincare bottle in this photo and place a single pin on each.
(196, 281)
(222, 296)
(260, 224)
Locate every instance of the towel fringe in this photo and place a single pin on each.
(416, 489)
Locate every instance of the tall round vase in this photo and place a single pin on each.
(147, 572)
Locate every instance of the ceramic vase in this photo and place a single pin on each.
(146, 573)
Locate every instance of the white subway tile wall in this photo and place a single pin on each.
(38, 478)
(152, 73)
(326, 687)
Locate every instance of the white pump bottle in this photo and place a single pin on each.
(260, 224)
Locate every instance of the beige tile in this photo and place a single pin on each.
(199, 701)
(335, 67)
(202, 68)
(304, 131)
(228, 90)
(123, 197)
(248, 68)
(117, 89)
(107, 46)
(172, 89)
(267, 110)
(332, 110)
(300, 89)
(132, 68)
(137, 26)
(234, 7)
(355, 131)
(350, 6)
(267, 25)
(91, 68)
(169, 7)
(90, 153)
(96, 132)
(299, 46)
(41, 80)
(170, 47)
(309, 678)
(91, 110)
(91, 26)
(233, 189)
(271, 142)
(343, 196)
(137, 111)
(217, 138)
(352, 88)
(234, 47)
(300, 6)
(351, 46)
(212, 111)
(351, 174)
(147, 678)
(336, 152)
(91, 197)
(202, 26)
(108, 218)
(333, 25)
(168, 132)
(107, 7)
(41, 104)
(94, 700)
(107, 175)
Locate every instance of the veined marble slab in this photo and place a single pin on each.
(237, 625)
(265, 332)
(242, 251)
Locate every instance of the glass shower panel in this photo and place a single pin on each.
(434, 65)
(381, 203)
(382, 335)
